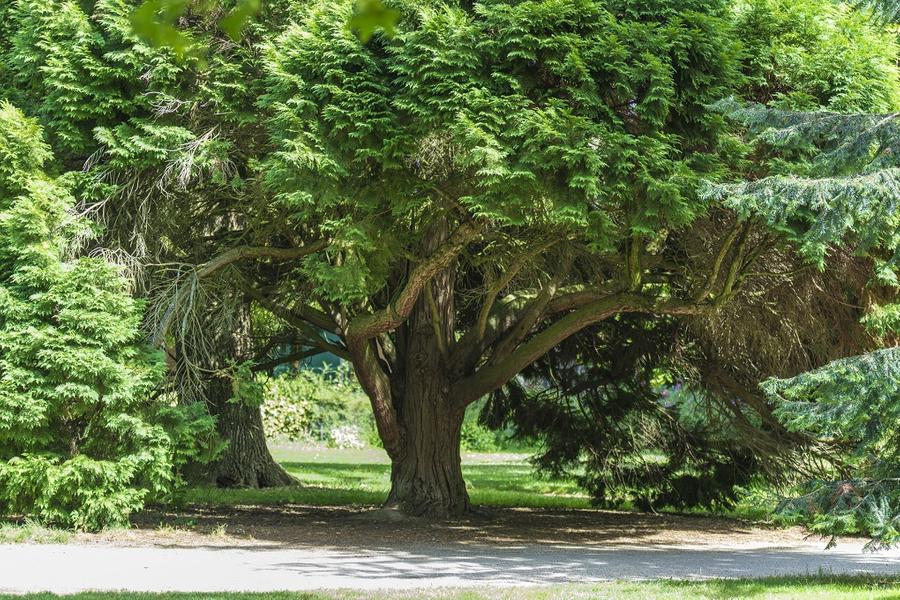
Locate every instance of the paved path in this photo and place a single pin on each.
(72, 568)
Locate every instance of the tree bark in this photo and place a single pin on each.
(246, 461)
(427, 480)
(426, 472)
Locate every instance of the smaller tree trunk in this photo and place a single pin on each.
(246, 462)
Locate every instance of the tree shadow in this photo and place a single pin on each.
(541, 565)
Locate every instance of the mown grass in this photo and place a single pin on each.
(780, 588)
(334, 477)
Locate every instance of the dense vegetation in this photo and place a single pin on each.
(649, 235)
(83, 439)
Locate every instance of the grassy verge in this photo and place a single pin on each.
(335, 477)
(790, 588)
(33, 533)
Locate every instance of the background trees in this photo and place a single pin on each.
(158, 149)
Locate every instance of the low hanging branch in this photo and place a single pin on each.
(492, 376)
(220, 262)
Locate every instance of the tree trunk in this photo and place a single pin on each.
(426, 475)
(426, 479)
(246, 461)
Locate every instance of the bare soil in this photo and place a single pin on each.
(292, 526)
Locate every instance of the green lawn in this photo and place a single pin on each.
(806, 588)
(333, 477)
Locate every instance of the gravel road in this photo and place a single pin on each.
(73, 567)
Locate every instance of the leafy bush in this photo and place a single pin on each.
(83, 443)
(311, 405)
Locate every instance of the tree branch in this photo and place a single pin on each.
(223, 260)
(377, 386)
(493, 376)
(501, 283)
(382, 321)
(297, 321)
(717, 264)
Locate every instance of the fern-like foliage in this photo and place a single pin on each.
(81, 442)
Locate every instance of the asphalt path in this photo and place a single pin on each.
(69, 568)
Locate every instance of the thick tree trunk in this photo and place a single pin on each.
(246, 461)
(426, 479)
(426, 475)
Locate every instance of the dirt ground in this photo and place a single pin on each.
(290, 526)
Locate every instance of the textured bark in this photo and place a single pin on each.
(246, 461)
(427, 479)
(426, 475)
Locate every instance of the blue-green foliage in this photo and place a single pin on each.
(849, 185)
(83, 442)
(854, 401)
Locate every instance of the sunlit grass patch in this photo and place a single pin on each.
(334, 477)
(32, 532)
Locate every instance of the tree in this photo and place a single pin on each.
(489, 181)
(82, 440)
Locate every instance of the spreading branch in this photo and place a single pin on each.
(220, 262)
(368, 326)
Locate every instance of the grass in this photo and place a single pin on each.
(334, 477)
(31, 532)
(350, 477)
(780, 588)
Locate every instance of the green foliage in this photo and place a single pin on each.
(83, 443)
(855, 399)
(539, 116)
(310, 405)
(833, 182)
(830, 177)
(885, 10)
(614, 420)
(371, 15)
(848, 507)
(849, 189)
(809, 54)
(156, 22)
